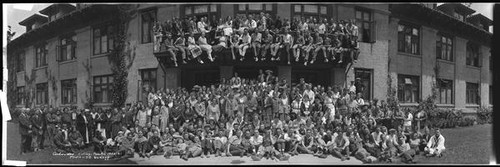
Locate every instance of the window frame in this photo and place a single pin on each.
(110, 38)
(306, 15)
(414, 39)
(153, 17)
(472, 96)
(152, 82)
(209, 14)
(41, 51)
(248, 11)
(473, 55)
(71, 41)
(445, 85)
(20, 95)
(21, 61)
(69, 85)
(401, 90)
(360, 22)
(100, 85)
(449, 47)
(42, 93)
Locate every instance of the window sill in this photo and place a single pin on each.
(446, 105)
(408, 104)
(409, 54)
(472, 106)
(102, 104)
(99, 55)
(446, 61)
(67, 61)
(39, 68)
(473, 67)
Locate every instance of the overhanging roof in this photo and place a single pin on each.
(437, 19)
(481, 18)
(53, 8)
(458, 6)
(33, 18)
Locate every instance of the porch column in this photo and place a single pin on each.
(172, 78)
(286, 73)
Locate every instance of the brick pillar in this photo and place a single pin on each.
(286, 73)
(226, 72)
(172, 78)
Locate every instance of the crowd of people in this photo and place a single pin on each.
(263, 118)
(303, 38)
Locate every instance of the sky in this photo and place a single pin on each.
(14, 13)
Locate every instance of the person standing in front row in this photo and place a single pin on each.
(25, 130)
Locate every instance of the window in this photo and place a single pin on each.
(365, 25)
(42, 93)
(459, 16)
(148, 19)
(491, 94)
(67, 48)
(408, 88)
(445, 94)
(366, 84)
(308, 11)
(21, 57)
(104, 39)
(102, 89)
(408, 39)
(41, 55)
(256, 8)
(444, 48)
(148, 77)
(472, 58)
(199, 11)
(68, 91)
(472, 93)
(20, 95)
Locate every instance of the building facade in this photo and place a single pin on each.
(63, 58)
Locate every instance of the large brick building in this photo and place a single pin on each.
(62, 59)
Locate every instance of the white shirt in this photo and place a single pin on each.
(352, 88)
(436, 143)
(322, 29)
(253, 24)
(309, 93)
(408, 120)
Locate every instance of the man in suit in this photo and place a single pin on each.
(37, 127)
(25, 130)
(82, 125)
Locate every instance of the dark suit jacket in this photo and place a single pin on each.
(24, 123)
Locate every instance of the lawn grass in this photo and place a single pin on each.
(464, 145)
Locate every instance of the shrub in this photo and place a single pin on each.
(484, 115)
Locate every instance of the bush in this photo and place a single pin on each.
(448, 118)
(484, 115)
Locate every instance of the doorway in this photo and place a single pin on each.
(366, 79)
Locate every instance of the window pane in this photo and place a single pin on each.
(213, 8)
(255, 7)
(104, 44)
(187, 11)
(201, 9)
(97, 45)
(241, 7)
(298, 8)
(358, 15)
(323, 9)
(366, 16)
(311, 8)
(97, 80)
(269, 7)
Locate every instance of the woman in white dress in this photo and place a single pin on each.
(329, 104)
(194, 49)
(202, 42)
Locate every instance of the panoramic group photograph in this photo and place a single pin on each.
(288, 83)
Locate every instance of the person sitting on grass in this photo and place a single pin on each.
(142, 144)
(340, 148)
(62, 145)
(207, 144)
(193, 148)
(166, 143)
(220, 142)
(75, 138)
(154, 142)
(99, 142)
(126, 148)
(435, 146)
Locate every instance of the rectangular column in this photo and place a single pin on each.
(285, 72)
(173, 78)
(226, 72)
